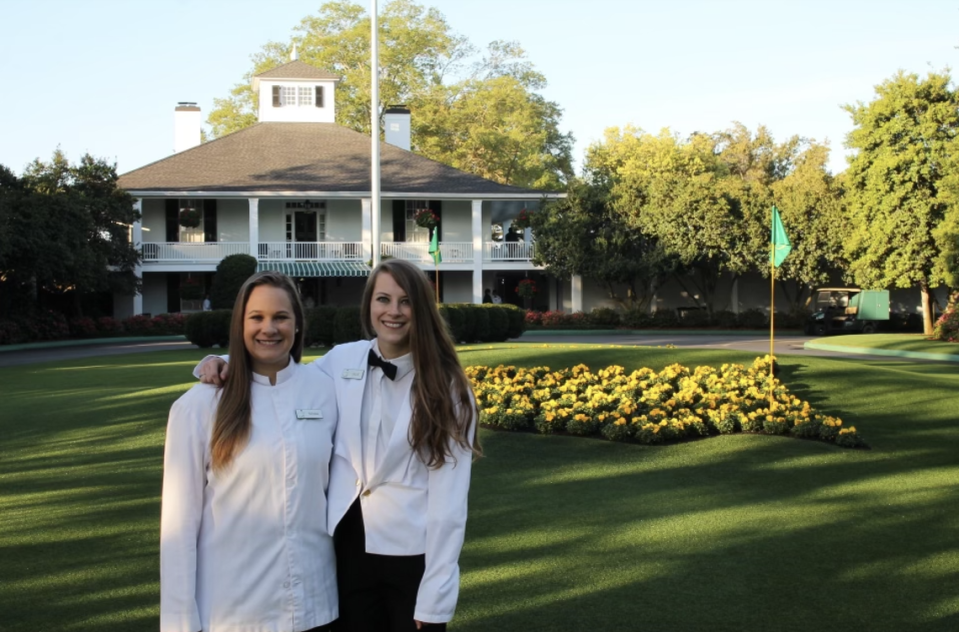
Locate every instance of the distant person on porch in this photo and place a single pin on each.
(206, 303)
(486, 296)
(496, 298)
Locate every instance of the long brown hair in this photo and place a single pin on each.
(231, 429)
(443, 410)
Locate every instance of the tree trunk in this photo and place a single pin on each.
(926, 308)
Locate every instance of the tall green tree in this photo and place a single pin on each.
(583, 235)
(65, 228)
(485, 116)
(903, 141)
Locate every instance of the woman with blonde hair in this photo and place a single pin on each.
(244, 543)
(400, 473)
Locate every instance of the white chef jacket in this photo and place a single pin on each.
(248, 549)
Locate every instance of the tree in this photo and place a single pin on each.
(424, 65)
(66, 229)
(583, 235)
(810, 200)
(903, 140)
(231, 273)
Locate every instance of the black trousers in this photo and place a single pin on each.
(377, 592)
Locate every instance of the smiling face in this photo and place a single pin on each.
(269, 328)
(391, 316)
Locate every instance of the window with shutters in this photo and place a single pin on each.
(298, 96)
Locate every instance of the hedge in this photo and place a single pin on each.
(49, 326)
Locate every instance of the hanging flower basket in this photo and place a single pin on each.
(524, 220)
(190, 218)
(526, 288)
(425, 218)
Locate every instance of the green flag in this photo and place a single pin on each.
(435, 247)
(780, 242)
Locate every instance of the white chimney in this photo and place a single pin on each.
(186, 126)
(397, 122)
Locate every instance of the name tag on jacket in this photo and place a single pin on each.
(308, 413)
(353, 374)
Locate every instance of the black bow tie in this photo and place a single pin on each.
(389, 369)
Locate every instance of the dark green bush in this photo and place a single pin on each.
(468, 332)
(665, 318)
(637, 319)
(694, 318)
(517, 319)
(481, 332)
(232, 272)
(320, 326)
(753, 318)
(346, 327)
(454, 318)
(498, 323)
(725, 319)
(605, 318)
(205, 329)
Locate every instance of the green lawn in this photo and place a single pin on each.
(728, 533)
(892, 342)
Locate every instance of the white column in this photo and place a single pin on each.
(136, 236)
(366, 211)
(254, 227)
(576, 293)
(477, 231)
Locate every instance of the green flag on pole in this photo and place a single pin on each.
(780, 242)
(435, 247)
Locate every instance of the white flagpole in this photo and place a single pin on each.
(375, 135)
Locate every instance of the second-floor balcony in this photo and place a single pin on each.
(184, 253)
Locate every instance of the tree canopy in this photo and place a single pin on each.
(65, 228)
(480, 113)
(903, 141)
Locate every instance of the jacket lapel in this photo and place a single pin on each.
(351, 407)
(398, 448)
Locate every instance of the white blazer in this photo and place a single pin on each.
(408, 508)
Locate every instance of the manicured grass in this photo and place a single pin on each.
(729, 533)
(893, 342)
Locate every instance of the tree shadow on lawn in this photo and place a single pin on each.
(774, 535)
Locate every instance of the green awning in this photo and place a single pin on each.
(316, 268)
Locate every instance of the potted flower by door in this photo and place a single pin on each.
(425, 218)
(190, 217)
(526, 289)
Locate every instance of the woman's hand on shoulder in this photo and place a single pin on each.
(214, 371)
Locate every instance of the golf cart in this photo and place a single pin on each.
(846, 310)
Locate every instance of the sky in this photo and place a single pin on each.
(103, 76)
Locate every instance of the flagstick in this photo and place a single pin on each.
(436, 267)
(772, 318)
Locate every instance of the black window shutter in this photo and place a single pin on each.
(172, 292)
(209, 221)
(437, 207)
(173, 220)
(319, 96)
(276, 96)
(399, 220)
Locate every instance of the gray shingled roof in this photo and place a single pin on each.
(304, 157)
(296, 69)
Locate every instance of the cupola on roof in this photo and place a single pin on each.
(297, 69)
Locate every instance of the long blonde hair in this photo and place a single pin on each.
(443, 410)
(231, 428)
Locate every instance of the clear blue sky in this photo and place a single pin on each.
(103, 76)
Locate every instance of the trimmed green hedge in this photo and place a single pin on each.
(328, 325)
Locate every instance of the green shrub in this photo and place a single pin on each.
(637, 319)
(205, 329)
(482, 331)
(604, 318)
(498, 323)
(346, 325)
(665, 318)
(517, 320)
(232, 272)
(694, 318)
(320, 326)
(453, 314)
(725, 319)
(947, 327)
(468, 314)
(753, 318)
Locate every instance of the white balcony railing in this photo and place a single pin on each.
(451, 252)
(507, 251)
(311, 251)
(186, 252)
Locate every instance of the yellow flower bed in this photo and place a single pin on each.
(648, 407)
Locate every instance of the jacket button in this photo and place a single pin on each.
(367, 492)
(358, 483)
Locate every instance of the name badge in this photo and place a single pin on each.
(307, 413)
(353, 374)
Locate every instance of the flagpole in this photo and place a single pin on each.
(375, 135)
(436, 268)
(772, 318)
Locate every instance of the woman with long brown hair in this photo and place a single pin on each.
(244, 543)
(401, 467)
